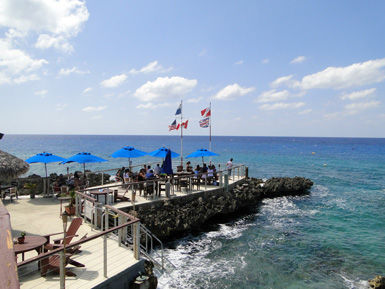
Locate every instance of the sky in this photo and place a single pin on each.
(122, 67)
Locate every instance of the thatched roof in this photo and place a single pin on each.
(11, 166)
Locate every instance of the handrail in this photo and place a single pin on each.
(8, 271)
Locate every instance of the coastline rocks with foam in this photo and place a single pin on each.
(378, 282)
(178, 214)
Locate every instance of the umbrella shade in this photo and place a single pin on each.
(202, 153)
(167, 164)
(162, 152)
(128, 152)
(11, 166)
(83, 158)
(45, 158)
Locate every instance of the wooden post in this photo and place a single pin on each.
(136, 236)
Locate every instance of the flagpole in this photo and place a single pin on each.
(210, 131)
(181, 133)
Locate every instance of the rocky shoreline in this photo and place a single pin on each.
(165, 218)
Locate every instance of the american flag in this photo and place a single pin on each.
(172, 126)
(204, 122)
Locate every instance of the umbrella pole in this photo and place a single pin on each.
(46, 179)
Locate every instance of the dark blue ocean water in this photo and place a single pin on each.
(333, 238)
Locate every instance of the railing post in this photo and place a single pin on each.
(226, 185)
(120, 237)
(105, 242)
(102, 178)
(136, 240)
(220, 179)
(62, 270)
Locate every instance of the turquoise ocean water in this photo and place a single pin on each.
(332, 238)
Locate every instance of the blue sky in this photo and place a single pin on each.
(268, 68)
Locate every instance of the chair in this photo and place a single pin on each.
(71, 232)
(64, 190)
(196, 181)
(52, 263)
(55, 190)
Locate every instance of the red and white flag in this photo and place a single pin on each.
(206, 112)
(184, 124)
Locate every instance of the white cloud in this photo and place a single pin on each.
(204, 52)
(16, 61)
(359, 94)
(25, 78)
(273, 95)
(265, 61)
(299, 59)
(72, 70)
(281, 105)
(151, 67)
(362, 105)
(233, 91)
(114, 81)
(56, 20)
(88, 89)
(97, 117)
(284, 80)
(42, 93)
(165, 88)
(60, 43)
(94, 108)
(357, 74)
(150, 105)
(239, 62)
(195, 100)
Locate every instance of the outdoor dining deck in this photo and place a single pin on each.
(112, 243)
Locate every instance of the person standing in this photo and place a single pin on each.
(229, 167)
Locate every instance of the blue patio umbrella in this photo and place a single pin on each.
(202, 153)
(167, 164)
(162, 152)
(128, 152)
(45, 158)
(83, 158)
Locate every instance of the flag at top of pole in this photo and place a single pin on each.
(206, 112)
(179, 110)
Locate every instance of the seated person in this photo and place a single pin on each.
(127, 176)
(150, 175)
(197, 171)
(188, 167)
(148, 169)
(210, 173)
(157, 170)
(204, 171)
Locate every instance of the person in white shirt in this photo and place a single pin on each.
(157, 170)
(229, 167)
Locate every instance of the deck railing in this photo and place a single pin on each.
(129, 223)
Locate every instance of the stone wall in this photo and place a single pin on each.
(165, 217)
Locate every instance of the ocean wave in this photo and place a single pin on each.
(355, 284)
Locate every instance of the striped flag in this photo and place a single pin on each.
(172, 126)
(206, 112)
(204, 122)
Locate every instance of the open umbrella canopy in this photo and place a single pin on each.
(202, 153)
(11, 166)
(44, 158)
(162, 152)
(83, 158)
(128, 152)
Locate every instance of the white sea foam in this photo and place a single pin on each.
(355, 284)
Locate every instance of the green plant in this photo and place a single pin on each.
(23, 234)
(31, 187)
(72, 194)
